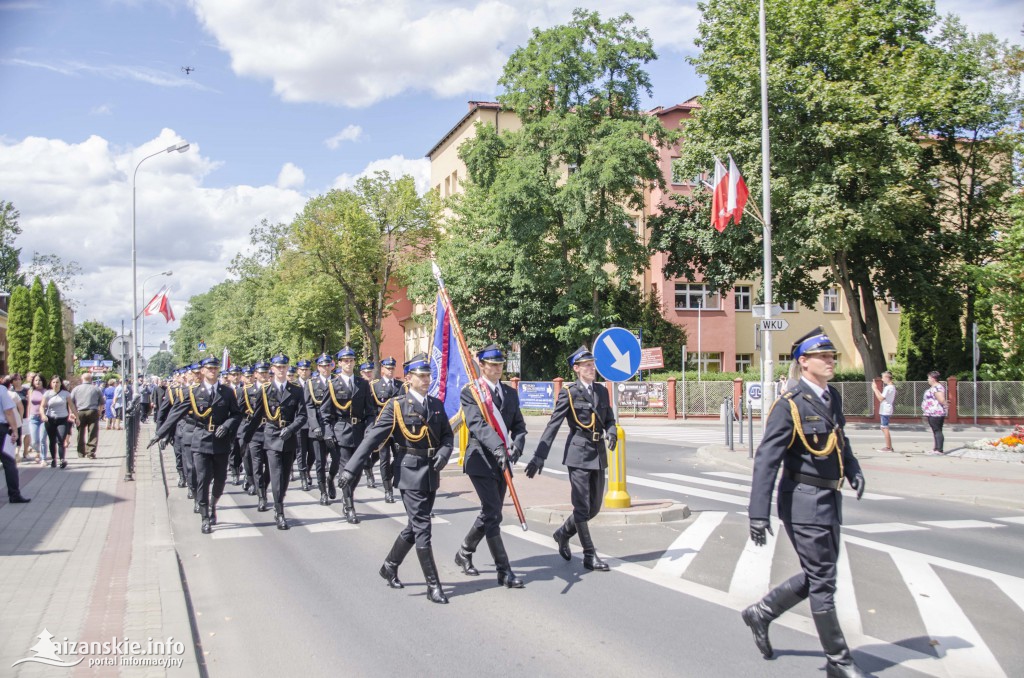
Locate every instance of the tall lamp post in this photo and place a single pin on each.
(180, 148)
(142, 318)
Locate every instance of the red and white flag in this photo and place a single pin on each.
(738, 193)
(225, 361)
(160, 304)
(720, 198)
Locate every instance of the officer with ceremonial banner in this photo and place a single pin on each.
(804, 435)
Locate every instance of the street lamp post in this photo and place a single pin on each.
(180, 148)
(142, 320)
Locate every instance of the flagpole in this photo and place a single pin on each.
(767, 374)
(474, 387)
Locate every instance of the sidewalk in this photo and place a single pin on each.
(92, 558)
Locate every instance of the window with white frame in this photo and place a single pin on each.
(830, 300)
(692, 296)
(788, 306)
(704, 362)
(741, 293)
(785, 358)
(744, 361)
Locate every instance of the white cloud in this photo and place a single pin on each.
(102, 109)
(350, 133)
(358, 52)
(1001, 17)
(291, 176)
(75, 201)
(397, 166)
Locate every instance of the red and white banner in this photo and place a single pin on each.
(720, 198)
(161, 304)
(738, 192)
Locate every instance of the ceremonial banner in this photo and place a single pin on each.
(448, 374)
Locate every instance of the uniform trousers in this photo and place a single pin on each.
(235, 456)
(187, 462)
(418, 506)
(817, 547)
(344, 455)
(328, 460)
(258, 461)
(491, 492)
(304, 452)
(279, 463)
(179, 462)
(587, 492)
(210, 469)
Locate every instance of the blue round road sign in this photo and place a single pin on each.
(617, 354)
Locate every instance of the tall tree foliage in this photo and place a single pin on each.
(10, 265)
(547, 230)
(93, 338)
(55, 316)
(39, 356)
(851, 200)
(19, 329)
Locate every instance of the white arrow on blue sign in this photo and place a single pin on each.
(617, 354)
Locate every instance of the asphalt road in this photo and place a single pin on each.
(926, 600)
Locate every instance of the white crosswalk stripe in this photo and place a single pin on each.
(687, 545)
(883, 528)
(693, 435)
(959, 524)
(232, 523)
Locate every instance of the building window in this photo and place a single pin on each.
(788, 306)
(692, 296)
(830, 300)
(785, 358)
(893, 307)
(677, 172)
(744, 361)
(455, 182)
(742, 296)
(447, 186)
(704, 362)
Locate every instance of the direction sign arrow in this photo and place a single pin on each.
(774, 324)
(621, 362)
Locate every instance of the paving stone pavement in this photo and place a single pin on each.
(90, 559)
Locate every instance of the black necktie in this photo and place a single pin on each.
(826, 398)
(497, 396)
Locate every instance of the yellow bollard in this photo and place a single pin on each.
(463, 441)
(617, 497)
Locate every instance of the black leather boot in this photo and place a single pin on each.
(350, 509)
(591, 560)
(464, 556)
(562, 536)
(205, 513)
(332, 489)
(435, 593)
(371, 481)
(306, 484)
(181, 480)
(762, 613)
(389, 491)
(389, 570)
(195, 504)
(191, 493)
(324, 499)
(234, 476)
(840, 661)
(261, 505)
(282, 524)
(213, 511)
(506, 577)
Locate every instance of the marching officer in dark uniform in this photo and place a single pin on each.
(321, 435)
(366, 372)
(253, 435)
(282, 412)
(347, 410)
(245, 404)
(184, 431)
(172, 396)
(213, 411)
(486, 457)
(304, 451)
(419, 427)
(383, 390)
(588, 409)
(804, 434)
(235, 461)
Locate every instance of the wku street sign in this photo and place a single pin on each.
(773, 325)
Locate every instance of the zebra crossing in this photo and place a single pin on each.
(694, 436)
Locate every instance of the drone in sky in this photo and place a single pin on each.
(187, 70)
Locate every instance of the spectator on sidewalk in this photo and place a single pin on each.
(59, 414)
(12, 382)
(108, 403)
(145, 390)
(934, 408)
(886, 402)
(36, 428)
(119, 402)
(9, 442)
(88, 400)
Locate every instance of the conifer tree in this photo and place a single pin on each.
(19, 329)
(38, 360)
(55, 312)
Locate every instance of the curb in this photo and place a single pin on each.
(641, 513)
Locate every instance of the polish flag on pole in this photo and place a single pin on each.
(720, 198)
(225, 361)
(160, 304)
(738, 193)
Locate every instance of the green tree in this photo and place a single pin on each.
(161, 363)
(848, 89)
(93, 338)
(37, 296)
(363, 240)
(52, 268)
(55, 314)
(19, 329)
(10, 264)
(547, 230)
(39, 356)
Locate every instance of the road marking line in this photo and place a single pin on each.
(876, 647)
(684, 549)
(751, 578)
(847, 609)
(691, 491)
(232, 523)
(881, 528)
(959, 644)
(729, 474)
(959, 524)
(704, 481)
(317, 518)
(746, 477)
(1019, 520)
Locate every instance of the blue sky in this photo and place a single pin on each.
(287, 100)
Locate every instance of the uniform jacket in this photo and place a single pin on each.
(349, 422)
(585, 447)
(382, 393)
(800, 503)
(279, 413)
(411, 471)
(205, 413)
(159, 393)
(484, 441)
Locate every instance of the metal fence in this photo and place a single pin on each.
(702, 397)
(858, 398)
(994, 398)
(132, 422)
